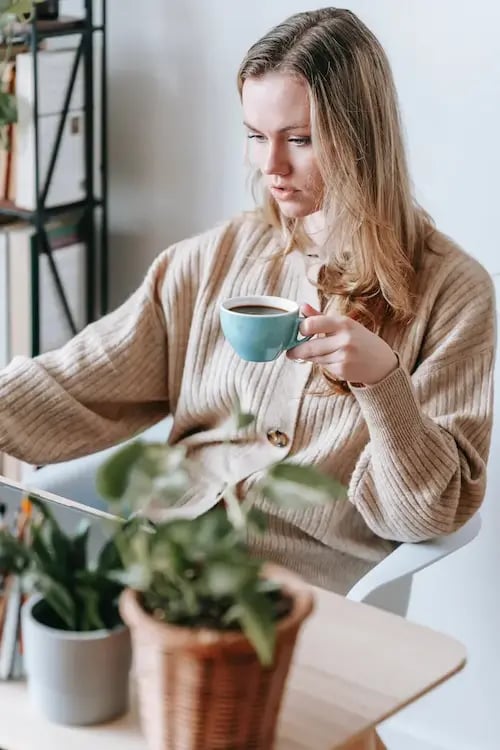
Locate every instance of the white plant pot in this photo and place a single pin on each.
(75, 678)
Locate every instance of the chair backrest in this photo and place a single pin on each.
(388, 584)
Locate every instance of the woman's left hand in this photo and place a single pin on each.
(345, 348)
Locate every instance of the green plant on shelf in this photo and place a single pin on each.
(11, 11)
(19, 9)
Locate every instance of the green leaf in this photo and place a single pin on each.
(56, 542)
(61, 546)
(307, 475)
(234, 510)
(58, 598)
(267, 586)
(191, 603)
(203, 535)
(113, 475)
(163, 460)
(8, 108)
(22, 9)
(289, 495)
(90, 618)
(244, 419)
(179, 531)
(142, 472)
(257, 519)
(14, 556)
(226, 579)
(79, 546)
(51, 547)
(109, 558)
(42, 508)
(134, 544)
(39, 548)
(136, 576)
(294, 486)
(255, 614)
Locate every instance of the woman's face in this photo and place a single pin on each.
(276, 115)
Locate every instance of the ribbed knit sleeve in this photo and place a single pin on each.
(105, 385)
(423, 472)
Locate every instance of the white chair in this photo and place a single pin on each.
(388, 585)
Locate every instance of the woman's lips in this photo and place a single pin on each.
(282, 193)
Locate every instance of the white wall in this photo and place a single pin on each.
(175, 126)
(176, 167)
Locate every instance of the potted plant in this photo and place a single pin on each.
(213, 629)
(76, 648)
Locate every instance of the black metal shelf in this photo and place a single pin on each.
(60, 27)
(96, 248)
(8, 208)
(66, 27)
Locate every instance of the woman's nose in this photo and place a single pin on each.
(276, 162)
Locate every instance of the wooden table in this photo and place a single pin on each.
(355, 666)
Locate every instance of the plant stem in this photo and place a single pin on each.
(234, 508)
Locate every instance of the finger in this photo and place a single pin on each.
(327, 346)
(326, 324)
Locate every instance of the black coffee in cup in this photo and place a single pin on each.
(258, 310)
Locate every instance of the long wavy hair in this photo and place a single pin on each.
(377, 231)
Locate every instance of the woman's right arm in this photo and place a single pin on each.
(107, 384)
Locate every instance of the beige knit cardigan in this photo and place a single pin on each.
(411, 449)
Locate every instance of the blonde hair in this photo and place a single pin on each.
(378, 232)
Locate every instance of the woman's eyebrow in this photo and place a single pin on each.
(281, 130)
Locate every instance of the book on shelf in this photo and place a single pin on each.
(10, 611)
(12, 597)
(68, 179)
(54, 69)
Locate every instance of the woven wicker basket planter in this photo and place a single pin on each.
(206, 689)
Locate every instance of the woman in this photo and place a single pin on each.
(392, 395)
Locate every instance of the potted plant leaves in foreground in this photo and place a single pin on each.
(76, 648)
(213, 629)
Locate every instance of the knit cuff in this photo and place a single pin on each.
(391, 409)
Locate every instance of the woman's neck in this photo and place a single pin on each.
(315, 228)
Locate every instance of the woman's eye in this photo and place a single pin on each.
(256, 137)
(304, 141)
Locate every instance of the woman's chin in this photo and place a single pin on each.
(295, 210)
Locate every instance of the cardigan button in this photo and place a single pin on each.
(278, 438)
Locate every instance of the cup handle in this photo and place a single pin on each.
(295, 337)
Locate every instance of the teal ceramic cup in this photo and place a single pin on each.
(261, 328)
